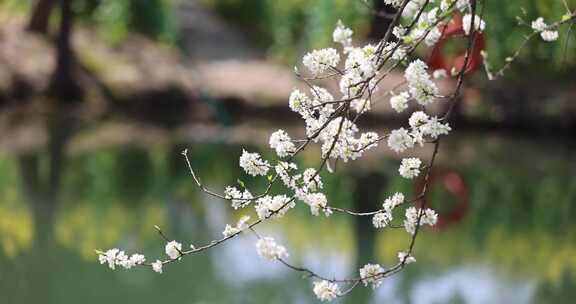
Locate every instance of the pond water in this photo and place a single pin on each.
(507, 233)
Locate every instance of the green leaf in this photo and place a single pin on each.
(241, 183)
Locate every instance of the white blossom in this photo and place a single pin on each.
(342, 35)
(410, 167)
(239, 199)
(400, 140)
(229, 230)
(421, 86)
(109, 257)
(116, 257)
(412, 8)
(381, 219)
(461, 5)
(417, 119)
(392, 202)
(430, 217)
(405, 258)
(325, 290)
(549, 35)
(434, 128)
(269, 249)
(411, 220)
(276, 206)
(318, 61)
(479, 24)
(157, 266)
(173, 249)
(366, 62)
(339, 139)
(539, 25)
(253, 164)
(281, 142)
(299, 102)
(399, 31)
(317, 202)
(284, 171)
(360, 105)
(400, 102)
(133, 260)
(311, 180)
(367, 141)
(242, 224)
(395, 51)
(433, 36)
(371, 274)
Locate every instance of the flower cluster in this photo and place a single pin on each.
(546, 33)
(116, 257)
(400, 102)
(342, 35)
(325, 290)
(405, 258)
(273, 206)
(319, 61)
(238, 198)
(410, 167)
(281, 142)
(383, 218)
(413, 215)
(330, 120)
(242, 224)
(371, 274)
(173, 249)
(420, 84)
(269, 249)
(253, 164)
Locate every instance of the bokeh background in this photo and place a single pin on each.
(99, 97)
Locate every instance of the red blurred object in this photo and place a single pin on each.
(454, 28)
(454, 184)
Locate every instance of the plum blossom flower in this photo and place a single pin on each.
(342, 35)
(403, 257)
(325, 290)
(400, 140)
(381, 219)
(400, 102)
(157, 266)
(173, 249)
(269, 249)
(253, 164)
(318, 61)
(282, 143)
(371, 275)
(410, 167)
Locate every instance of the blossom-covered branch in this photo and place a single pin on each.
(330, 123)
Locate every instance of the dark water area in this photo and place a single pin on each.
(506, 235)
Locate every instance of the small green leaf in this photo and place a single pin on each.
(241, 183)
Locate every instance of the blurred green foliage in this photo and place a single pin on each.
(292, 26)
(115, 19)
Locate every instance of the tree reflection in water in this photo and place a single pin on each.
(513, 245)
